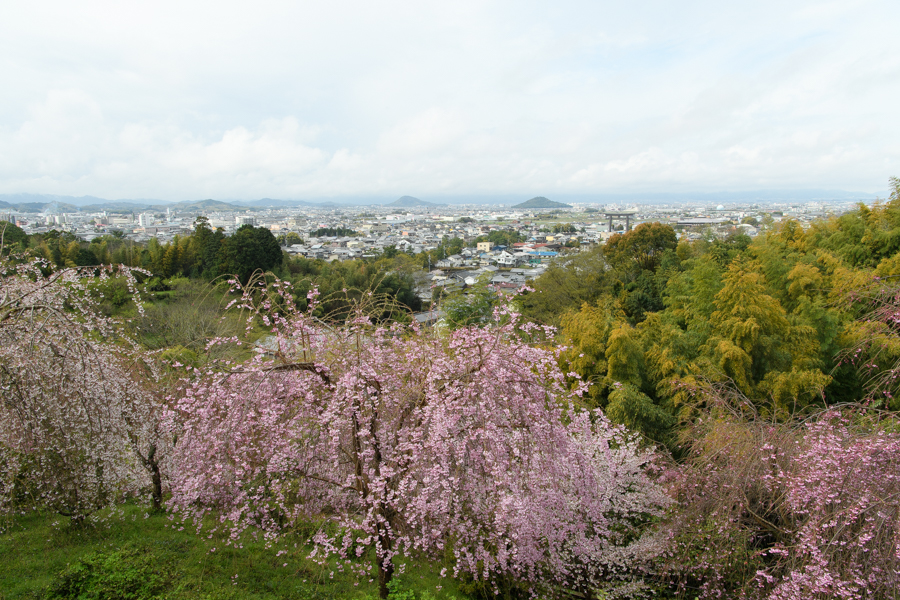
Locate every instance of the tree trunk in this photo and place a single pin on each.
(156, 478)
(385, 563)
(385, 574)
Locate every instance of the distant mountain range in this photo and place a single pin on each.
(38, 207)
(37, 203)
(274, 203)
(541, 202)
(761, 196)
(410, 202)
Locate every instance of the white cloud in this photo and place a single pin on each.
(189, 99)
(431, 131)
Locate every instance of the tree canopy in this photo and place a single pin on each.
(410, 441)
(248, 250)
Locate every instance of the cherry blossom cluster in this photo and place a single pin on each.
(398, 440)
(77, 418)
(842, 490)
(777, 511)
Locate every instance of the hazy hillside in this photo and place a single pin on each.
(410, 201)
(541, 202)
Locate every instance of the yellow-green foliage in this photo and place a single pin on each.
(775, 318)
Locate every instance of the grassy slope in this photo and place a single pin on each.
(133, 556)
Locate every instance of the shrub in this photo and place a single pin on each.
(125, 574)
(780, 511)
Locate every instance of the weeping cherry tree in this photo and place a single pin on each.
(396, 441)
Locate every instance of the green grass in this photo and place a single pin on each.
(134, 555)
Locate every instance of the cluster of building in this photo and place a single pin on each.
(380, 229)
(419, 229)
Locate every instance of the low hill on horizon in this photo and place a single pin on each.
(277, 203)
(410, 201)
(541, 202)
(208, 204)
(39, 203)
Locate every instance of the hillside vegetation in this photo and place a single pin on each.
(655, 418)
(541, 202)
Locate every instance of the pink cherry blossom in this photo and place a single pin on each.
(77, 416)
(400, 440)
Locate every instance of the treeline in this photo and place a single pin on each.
(334, 232)
(206, 255)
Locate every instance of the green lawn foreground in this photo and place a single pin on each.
(135, 555)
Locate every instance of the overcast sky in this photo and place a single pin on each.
(184, 100)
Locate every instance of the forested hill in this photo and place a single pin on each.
(410, 201)
(541, 202)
